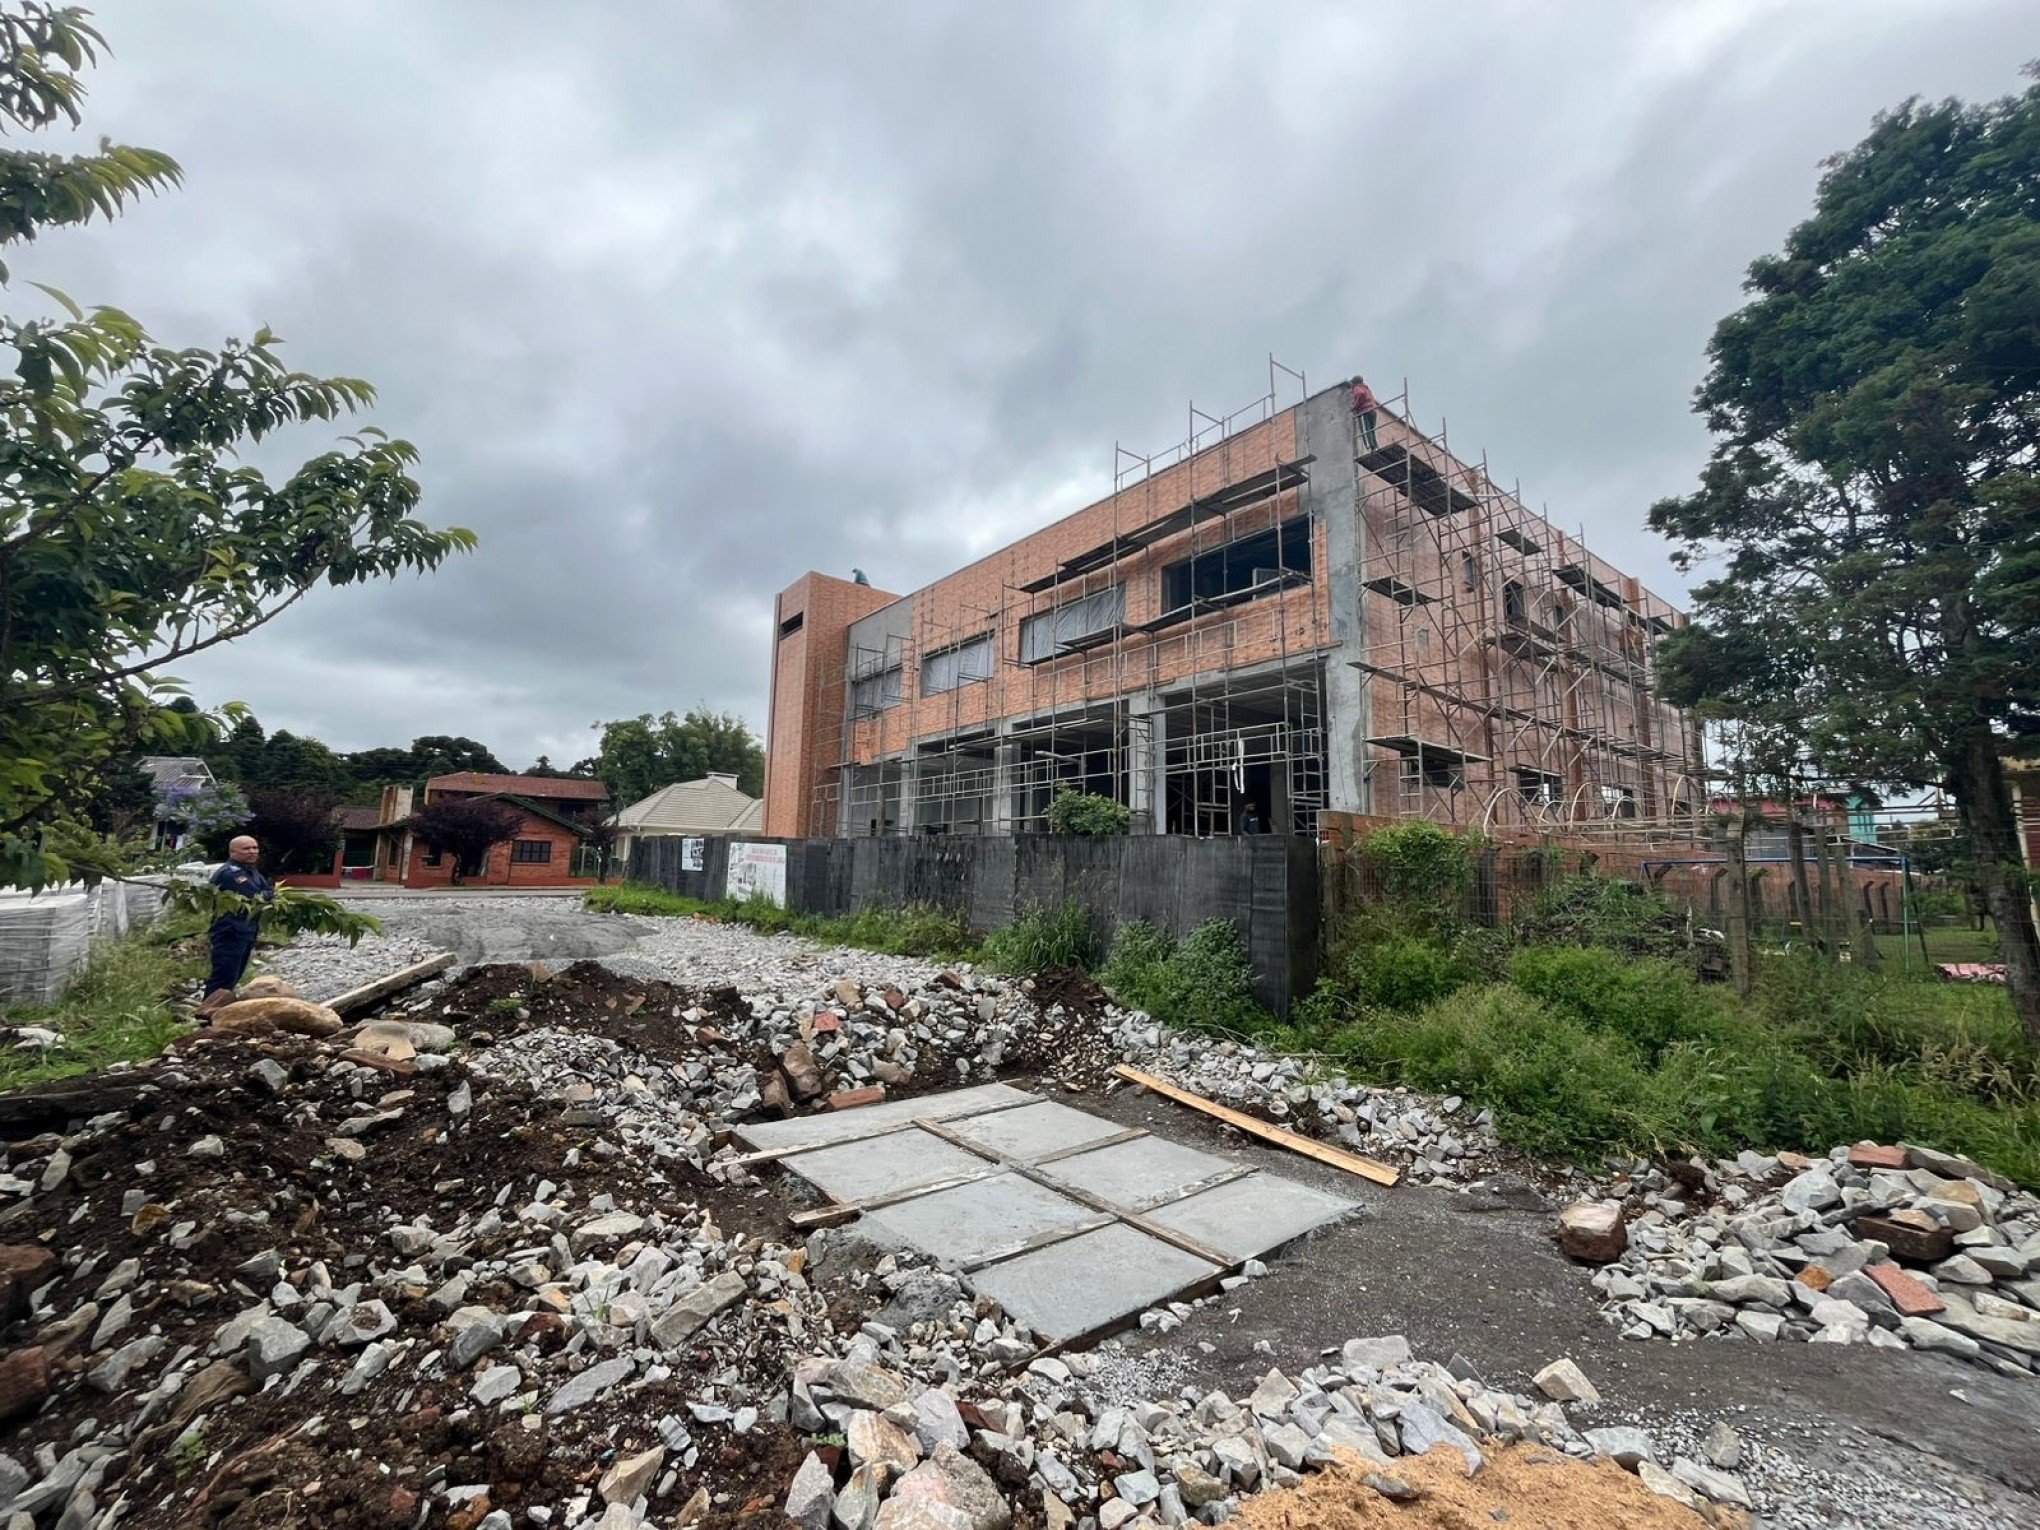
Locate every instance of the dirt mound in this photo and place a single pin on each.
(1523, 1487)
(665, 1021)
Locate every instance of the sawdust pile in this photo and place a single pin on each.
(1533, 1489)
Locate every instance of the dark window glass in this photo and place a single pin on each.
(529, 850)
(1262, 558)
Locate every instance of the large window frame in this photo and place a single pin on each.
(1268, 559)
(1047, 634)
(873, 693)
(960, 664)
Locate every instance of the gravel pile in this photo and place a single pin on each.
(1899, 1247)
(322, 967)
(981, 1023)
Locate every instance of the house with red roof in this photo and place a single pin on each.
(551, 848)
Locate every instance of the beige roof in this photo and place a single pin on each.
(711, 805)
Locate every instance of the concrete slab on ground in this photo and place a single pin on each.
(1079, 1286)
(1046, 1227)
(837, 1126)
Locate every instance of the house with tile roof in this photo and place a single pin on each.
(709, 805)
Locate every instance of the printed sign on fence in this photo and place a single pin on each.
(757, 871)
(691, 849)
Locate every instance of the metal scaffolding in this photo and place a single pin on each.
(1508, 670)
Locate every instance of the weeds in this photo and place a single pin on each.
(1203, 982)
(117, 1009)
(912, 930)
(1044, 937)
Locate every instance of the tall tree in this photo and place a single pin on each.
(134, 530)
(1872, 491)
(638, 755)
(442, 755)
(296, 826)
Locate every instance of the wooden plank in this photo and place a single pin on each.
(1040, 1240)
(1197, 1187)
(843, 1211)
(1089, 1201)
(768, 1155)
(1129, 1135)
(1337, 1158)
(394, 982)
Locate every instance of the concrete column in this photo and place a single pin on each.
(1325, 426)
(1146, 787)
(910, 770)
(1006, 762)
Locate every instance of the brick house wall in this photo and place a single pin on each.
(502, 869)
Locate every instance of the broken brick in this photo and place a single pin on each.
(850, 1099)
(1815, 1278)
(1908, 1295)
(827, 1020)
(1869, 1155)
(1902, 1233)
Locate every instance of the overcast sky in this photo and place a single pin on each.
(680, 300)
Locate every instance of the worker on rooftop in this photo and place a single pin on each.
(1364, 407)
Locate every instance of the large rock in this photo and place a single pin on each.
(803, 1073)
(630, 1478)
(589, 1385)
(23, 1268)
(874, 1441)
(949, 1480)
(686, 1317)
(297, 1017)
(811, 1496)
(268, 986)
(24, 1382)
(937, 1421)
(1951, 1166)
(1375, 1354)
(274, 1347)
(1814, 1190)
(1593, 1231)
(1562, 1381)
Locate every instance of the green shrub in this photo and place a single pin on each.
(1403, 972)
(1042, 938)
(1087, 814)
(1205, 981)
(1650, 1004)
(1588, 910)
(1420, 871)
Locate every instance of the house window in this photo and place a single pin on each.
(875, 692)
(531, 851)
(1469, 571)
(432, 855)
(948, 668)
(1539, 788)
(1448, 772)
(1046, 635)
(1248, 563)
(1515, 607)
(792, 624)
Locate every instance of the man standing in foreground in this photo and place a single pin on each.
(233, 934)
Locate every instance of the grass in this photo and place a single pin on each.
(1042, 938)
(1591, 1053)
(908, 930)
(117, 1009)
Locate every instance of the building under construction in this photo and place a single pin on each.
(1300, 609)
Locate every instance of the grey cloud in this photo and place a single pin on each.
(680, 301)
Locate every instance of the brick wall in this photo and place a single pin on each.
(502, 870)
(804, 730)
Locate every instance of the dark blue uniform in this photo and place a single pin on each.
(233, 935)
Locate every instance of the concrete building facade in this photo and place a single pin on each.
(1301, 610)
